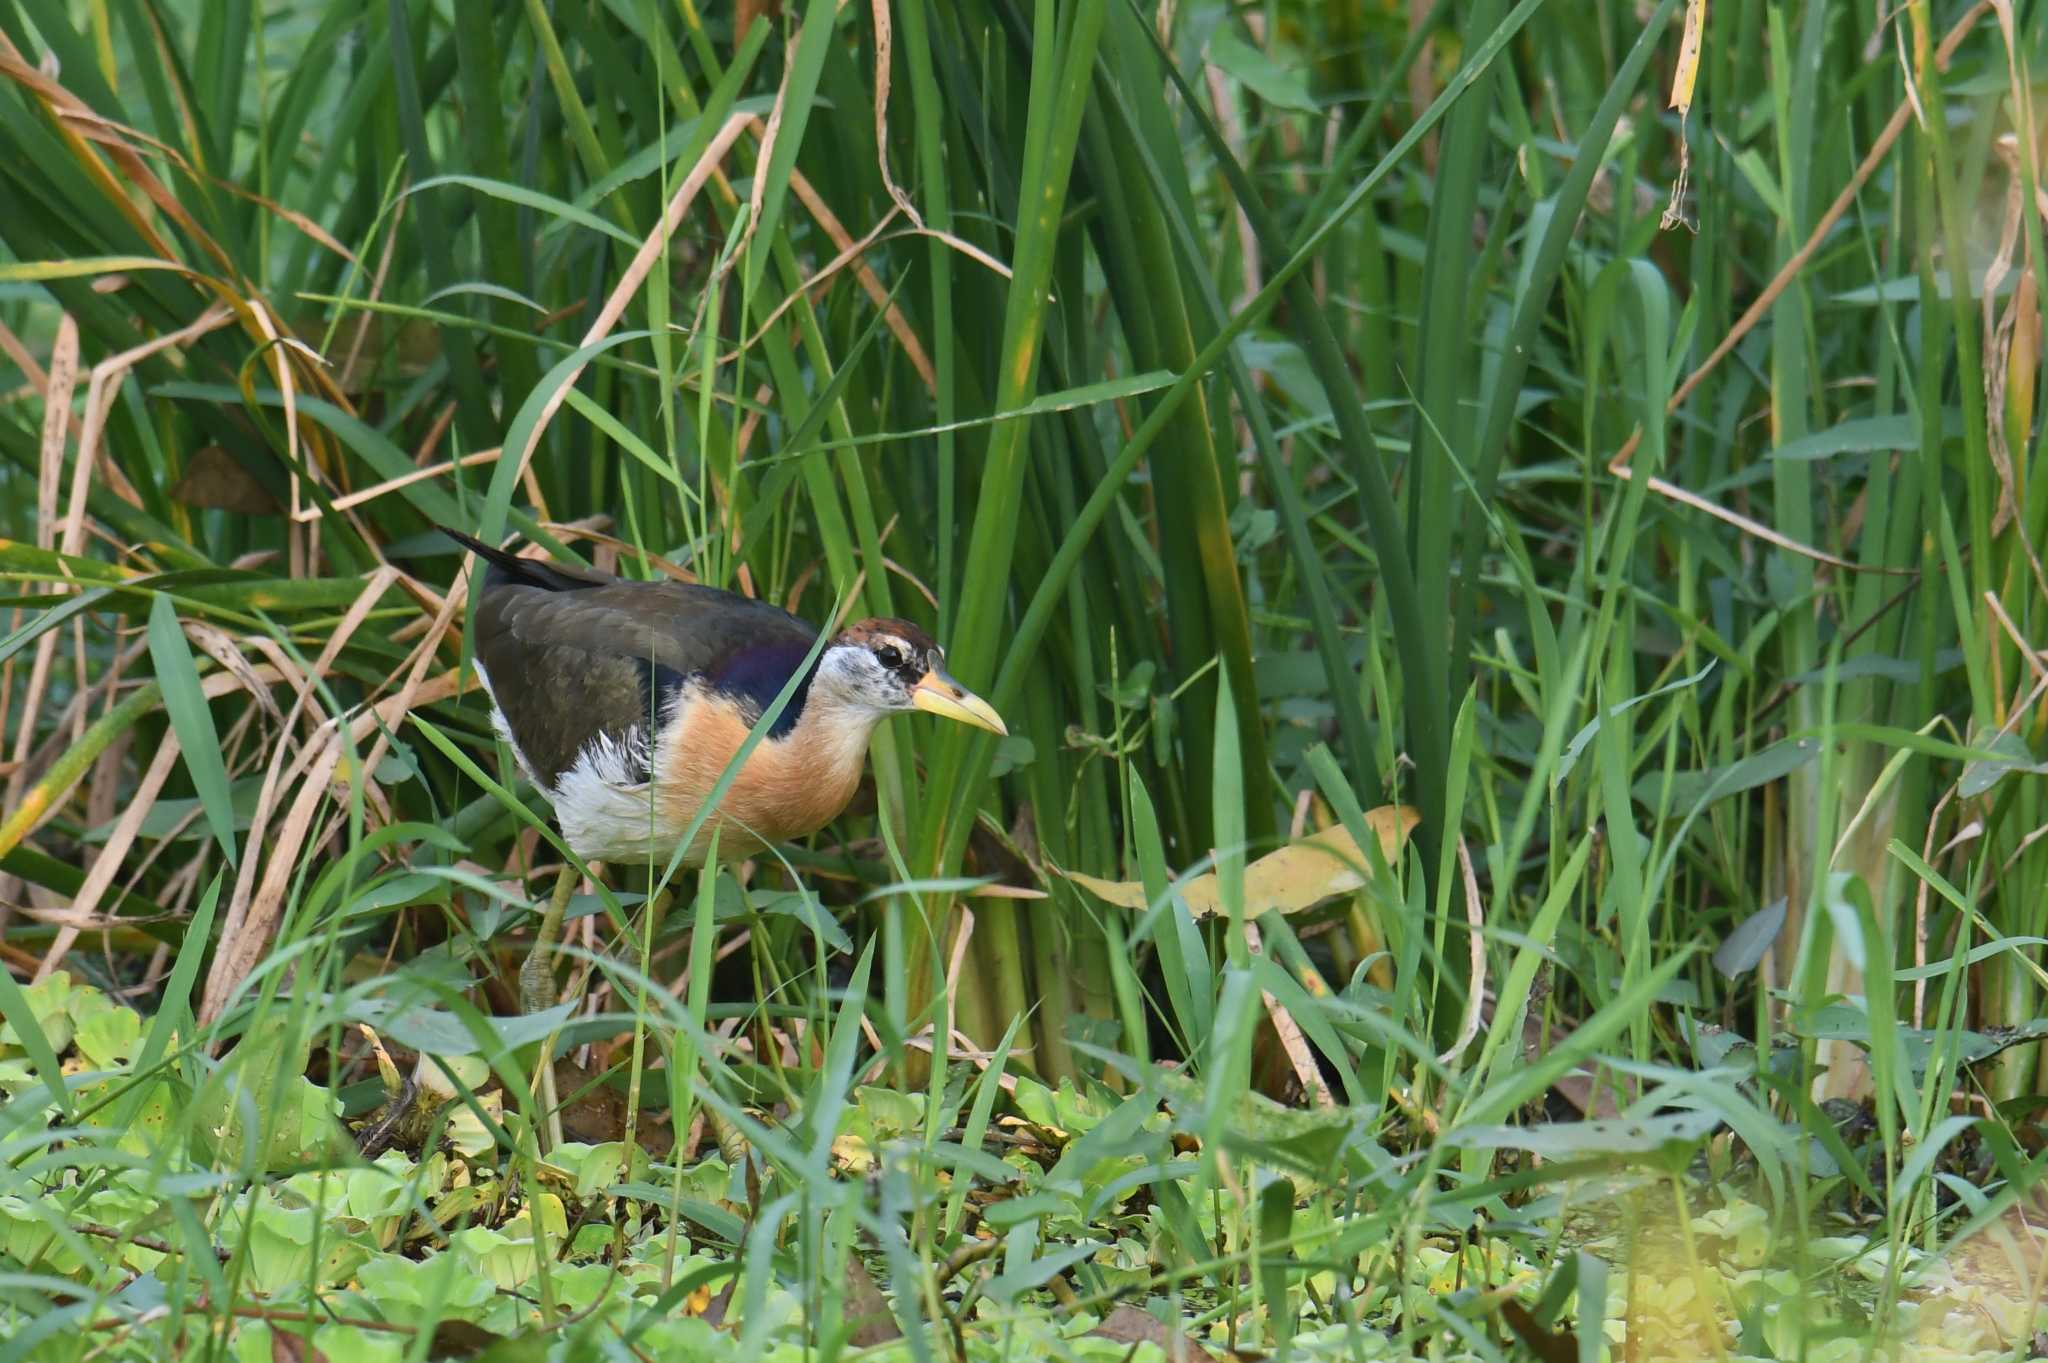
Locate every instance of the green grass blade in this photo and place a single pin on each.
(192, 721)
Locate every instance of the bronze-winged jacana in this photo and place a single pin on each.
(625, 701)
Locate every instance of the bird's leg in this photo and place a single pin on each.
(537, 995)
(537, 975)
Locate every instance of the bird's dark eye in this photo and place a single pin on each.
(889, 656)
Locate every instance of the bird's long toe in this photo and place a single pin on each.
(537, 991)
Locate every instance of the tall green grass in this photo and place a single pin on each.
(1279, 411)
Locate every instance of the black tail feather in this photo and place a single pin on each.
(507, 568)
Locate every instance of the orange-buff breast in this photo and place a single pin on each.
(788, 787)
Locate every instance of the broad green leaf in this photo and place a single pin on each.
(1688, 790)
(1262, 75)
(1595, 1136)
(192, 720)
(534, 199)
(20, 1016)
(1863, 435)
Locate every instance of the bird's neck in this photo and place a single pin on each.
(831, 736)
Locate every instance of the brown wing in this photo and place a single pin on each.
(574, 656)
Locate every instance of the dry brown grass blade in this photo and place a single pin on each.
(965, 248)
(287, 670)
(11, 346)
(59, 102)
(98, 128)
(444, 421)
(243, 944)
(63, 380)
(309, 754)
(744, 441)
(1756, 529)
(376, 490)
(2012, 340)
(567, 530)
(245, 934)
(63, 383)
(253, 918)
(879, 10)
(1292, 1043)
(1475, 922)
(294, 365)
(84, 133)
(216, 644)
(757, 195)
(101, 389)
(380, 581)
(852, 253)
(2017, 325)
(86, 902)
(69, 115)
(68, 533)
(959, 1047)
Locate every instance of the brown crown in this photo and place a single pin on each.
(882, 626)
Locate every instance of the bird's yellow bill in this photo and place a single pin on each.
(939, 694)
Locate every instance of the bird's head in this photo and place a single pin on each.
(885, 665)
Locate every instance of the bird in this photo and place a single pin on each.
(624, 702)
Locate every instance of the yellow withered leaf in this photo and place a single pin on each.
(1685, 73)
(1289, 879)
